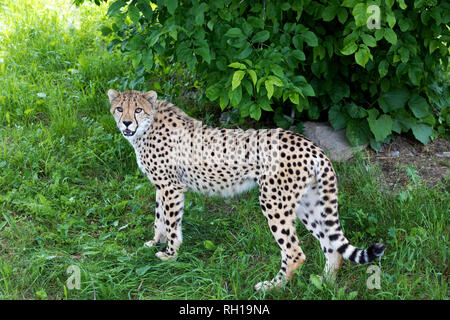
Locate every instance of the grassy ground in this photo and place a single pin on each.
(71, 193)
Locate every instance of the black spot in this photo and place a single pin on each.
(353, 255)
(334, 237)
(342, 248)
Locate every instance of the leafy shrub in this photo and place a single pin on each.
(302, 59)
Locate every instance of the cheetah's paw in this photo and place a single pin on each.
(269, 285)
(165, 257)
(150, 243)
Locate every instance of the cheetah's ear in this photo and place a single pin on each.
(112, 94)
(150, 96)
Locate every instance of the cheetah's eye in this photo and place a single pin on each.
(138, 110)
(119, 109)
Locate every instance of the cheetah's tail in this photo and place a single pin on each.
(360, 256)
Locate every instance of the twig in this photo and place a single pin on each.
(140, 286)
(232, 235)
(93, 286)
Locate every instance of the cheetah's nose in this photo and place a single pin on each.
(127, 123)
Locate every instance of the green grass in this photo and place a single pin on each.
(71, 193)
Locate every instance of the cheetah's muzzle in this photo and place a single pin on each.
(128, 132)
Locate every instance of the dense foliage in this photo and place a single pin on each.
(302, 59)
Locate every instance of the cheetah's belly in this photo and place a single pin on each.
(225, 189)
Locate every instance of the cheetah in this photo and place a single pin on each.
(295, 178)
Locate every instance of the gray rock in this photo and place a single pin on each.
(394, 154)
(334, 143)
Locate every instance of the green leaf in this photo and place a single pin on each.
(115, 7)
(147, 60)
(349, 49)
(285, 6)
(419, 106)
(307, 90)
(349, 3)
(135, 60)
(403, 24)
(362, 56)
(299, 127)
(269, 87)
(235, 96)
(299, 55)
(402, 4)
(142, 270)
(276, 81)
(368, 40)
(383, 68)
(342, 15)
(134, 13)
(208, 244)
(105, 31)
(247, 51)
(204, 52)
(278, 70)
(404, 54)
(337, 117)
(403, 120)
(390, 18)
(429, 119)
(224, 99)
(295, 99)
(390, 36)
(261, 36)
(255, 111)
(315, 281)
(329, 13)
(393, 100)
(145, 8)
(171, 6)
(213, 92)
(256, 22)
(375, 145)
(422, 132)
(381, 127)
(339, 91)
(282, 120)
(415, 75)
(310, 38)
(360, 14)
(234, 33)
(357, 132)
(237, 65)
(237, 78)
(355, 111)
(389, 3)
(252, 74)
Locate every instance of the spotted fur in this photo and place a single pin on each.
(295, 178)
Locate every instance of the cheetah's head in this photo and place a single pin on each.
(132, 110)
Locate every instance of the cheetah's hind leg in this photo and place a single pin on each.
(312, 212)
(281, 218)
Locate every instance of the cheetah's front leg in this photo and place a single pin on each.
(172, 206)
(159, 227)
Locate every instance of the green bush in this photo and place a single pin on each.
(299, 60)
